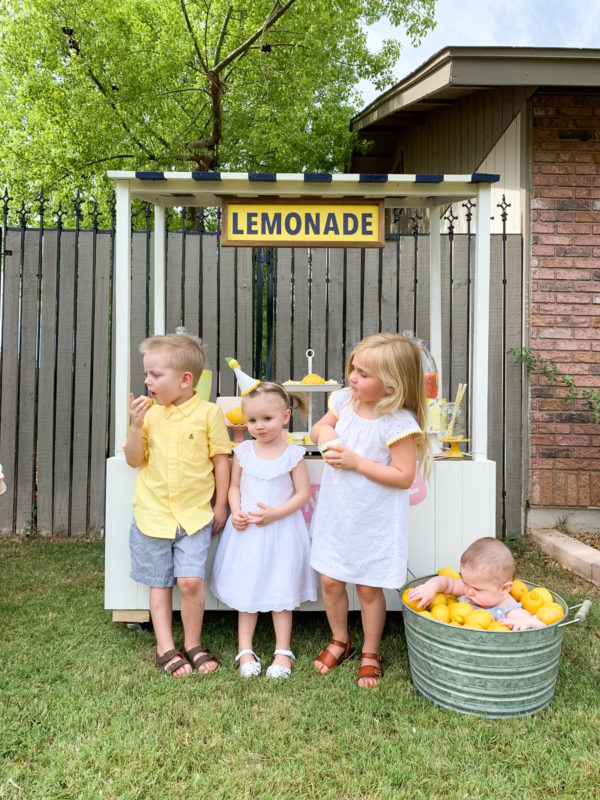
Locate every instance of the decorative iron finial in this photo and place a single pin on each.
(42, 202)
(503, 205)
(59, 214)
(415, 219)
(23, 213)
(77, 203)
(95, 215)
(450, 218)
(469, 205)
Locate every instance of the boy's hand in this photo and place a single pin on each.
(340, 457)
(265, 516)
(219, 519)
(137, 410)
(240, 521)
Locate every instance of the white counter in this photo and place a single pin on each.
(454, 509)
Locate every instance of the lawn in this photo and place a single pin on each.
(84, 714)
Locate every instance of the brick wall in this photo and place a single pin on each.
(565, 313)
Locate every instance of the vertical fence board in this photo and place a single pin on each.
(210, 265)
(389, 281)
(139, 302)
(82, 399)
(192, 283)
(45, 443)
(173, 289)
(243, 348)
(301, 312)
(25, 478)
(284, 329)
(352, 333)
(318, 341)
(99, 399)
(64, 383)
(335, 339)
(370, 311)
(227, 343)
(10, 376)
(406, 292)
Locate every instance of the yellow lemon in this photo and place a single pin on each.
(438, 598)
(236, 416)
(518, 588)
(535, 599)
(410, 603)
(549, 613)
(456, 624)
(473, 627)
(449, 572)
(497, 626)
(479, 616)
(539, 591)
(459, 611)
(450, 598)
(425, 613)
(312, 378)
(441, 612)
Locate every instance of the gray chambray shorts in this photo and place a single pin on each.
(159, 562)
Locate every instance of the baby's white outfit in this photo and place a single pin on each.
(266, 568)
(360, 528)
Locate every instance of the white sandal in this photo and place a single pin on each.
(251, 668)
(277, 670)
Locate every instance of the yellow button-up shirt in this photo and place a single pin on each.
(175, 483)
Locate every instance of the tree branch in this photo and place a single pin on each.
(222, 33)
(271, 19)
(193, 37)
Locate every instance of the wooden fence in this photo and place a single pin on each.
(266, 308)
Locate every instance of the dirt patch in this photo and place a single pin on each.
(591, 539)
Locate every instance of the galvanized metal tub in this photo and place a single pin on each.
(489, 673)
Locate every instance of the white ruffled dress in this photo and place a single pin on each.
(266, 568)
(360, 528)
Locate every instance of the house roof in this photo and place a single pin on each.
(455, 72)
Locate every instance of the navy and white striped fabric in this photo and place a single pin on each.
(320, 177)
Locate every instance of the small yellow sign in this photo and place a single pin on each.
(303, 223)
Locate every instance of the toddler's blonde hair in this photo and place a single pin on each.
(185, 353)
(491, 557)
(396, 359)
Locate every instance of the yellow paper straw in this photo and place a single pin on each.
(462, 387)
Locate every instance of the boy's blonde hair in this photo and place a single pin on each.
(491, 557)
(396, 359)
(185, 353)
(291, 401)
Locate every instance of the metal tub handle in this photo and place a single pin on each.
(580, 615)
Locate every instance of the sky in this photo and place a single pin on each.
(516, 23)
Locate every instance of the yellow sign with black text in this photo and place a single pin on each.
(303, 223)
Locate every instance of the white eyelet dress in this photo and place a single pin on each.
(360, 528)
(266, 568)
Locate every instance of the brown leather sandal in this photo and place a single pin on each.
(162, 661)
(326, 656)
(200, 655)
(371, 670)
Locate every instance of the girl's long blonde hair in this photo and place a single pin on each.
(396, 359)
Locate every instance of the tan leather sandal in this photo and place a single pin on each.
(326, 656)
(371, 670)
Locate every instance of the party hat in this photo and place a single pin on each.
(245, 383)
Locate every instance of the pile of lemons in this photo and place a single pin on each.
(447, 608)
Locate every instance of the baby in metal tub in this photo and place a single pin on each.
(487, 570)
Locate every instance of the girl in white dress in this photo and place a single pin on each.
(263, 559)
(372, 438)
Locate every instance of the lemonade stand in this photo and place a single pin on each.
(458, 505)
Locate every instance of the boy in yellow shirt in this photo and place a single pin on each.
(182, 447)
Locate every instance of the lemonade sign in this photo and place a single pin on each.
(305, 223)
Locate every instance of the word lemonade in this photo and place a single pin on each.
(304, 223)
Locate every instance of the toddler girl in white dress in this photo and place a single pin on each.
(263, 559)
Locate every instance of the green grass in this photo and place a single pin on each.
(84, 714)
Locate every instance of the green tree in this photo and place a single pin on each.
(185, 84)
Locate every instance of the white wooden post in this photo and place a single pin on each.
(481, 323)
(159, 271)
(435, 289)
(122, 311)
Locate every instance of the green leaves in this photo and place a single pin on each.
(183, 84)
